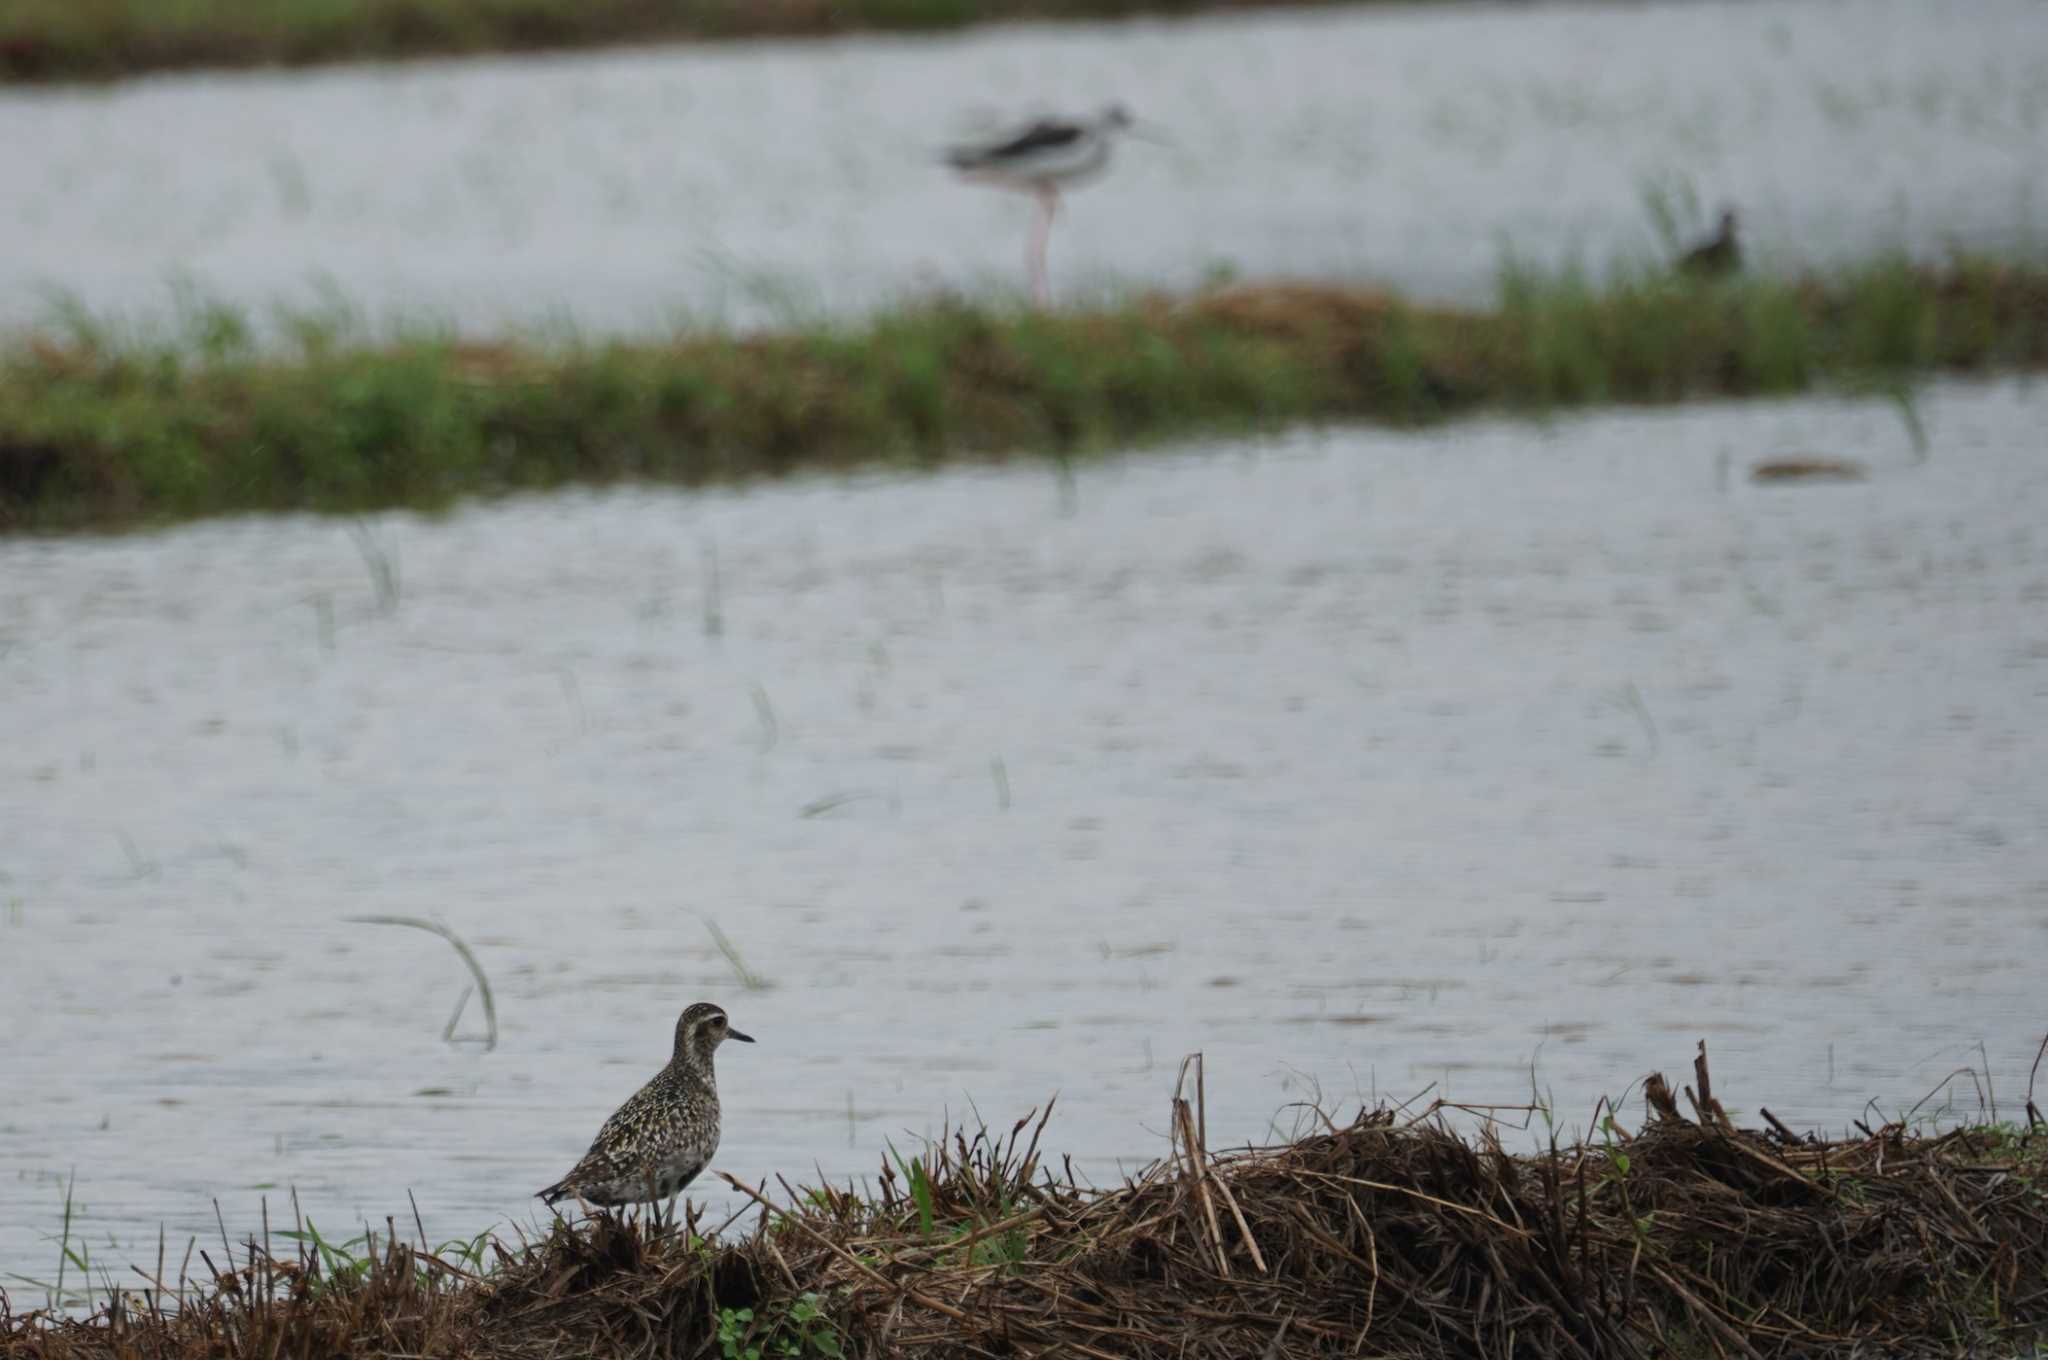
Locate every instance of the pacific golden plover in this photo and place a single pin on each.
(657, 1142)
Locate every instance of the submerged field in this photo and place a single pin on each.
(766, 185)
(1390, 1234)
(99, 430)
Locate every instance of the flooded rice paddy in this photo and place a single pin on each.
(627, 191)
(1361, 761)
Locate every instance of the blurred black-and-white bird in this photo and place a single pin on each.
(1042, 159)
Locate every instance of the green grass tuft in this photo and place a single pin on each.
(97, 428)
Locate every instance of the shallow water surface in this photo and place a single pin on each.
(1405, 145)
(1360, 761)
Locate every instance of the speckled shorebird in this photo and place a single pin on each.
(657, 1142)
(1719, 254)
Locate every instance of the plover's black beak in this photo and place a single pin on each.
(735, 1034)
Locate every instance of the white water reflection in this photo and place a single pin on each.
(1356, 759)
(1401, 145)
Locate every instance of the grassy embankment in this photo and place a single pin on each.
(100, 431)
(1387, 1236)
(93, 39)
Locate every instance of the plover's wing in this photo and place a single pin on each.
(1042, 136)
(600, 1165)
(623, 1141)
(605, 1179)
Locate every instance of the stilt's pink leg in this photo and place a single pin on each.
(1041, 236)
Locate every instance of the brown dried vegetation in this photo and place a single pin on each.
(1387, 1236)
(1807, 469)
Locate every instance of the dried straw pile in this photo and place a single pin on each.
(1388, 1236)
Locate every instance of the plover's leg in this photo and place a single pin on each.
(650, 1205)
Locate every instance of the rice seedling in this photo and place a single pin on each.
(832, 802)
(572, 694)
(1633, 697)
(745, 976)
(322, 605)
(764, 714)
(380, 562)
(482, 983)
(140, 866)
(714, 594)
(1907, 404)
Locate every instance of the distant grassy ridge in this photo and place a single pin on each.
(99, 430)
(92, 39)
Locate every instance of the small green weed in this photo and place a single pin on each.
(998, 1249)
(920, 1189)
(71, 1255)
(1617, 1176)
(342, 1264)
(801, 1330)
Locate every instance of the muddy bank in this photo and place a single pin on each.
(1683, 1234)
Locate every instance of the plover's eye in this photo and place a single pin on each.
(718, 1022)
